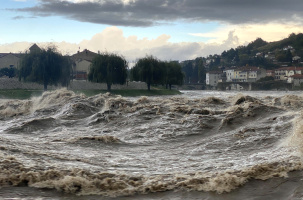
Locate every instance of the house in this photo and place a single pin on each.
(296, 79)
(296, 59)
(229, 75)
(255, 73)
(81, 69)
(248, 74)
(285, 72)
(81, 63)
(212, 78)
(9, 60)
(288, 48)
(270, 56)
(85, 55)
(34, 48)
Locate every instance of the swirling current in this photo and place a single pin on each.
(198, 145)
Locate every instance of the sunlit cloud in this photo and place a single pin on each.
(112, 39)
(247, 33)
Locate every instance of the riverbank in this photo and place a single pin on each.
(14, 83)
(27, 94)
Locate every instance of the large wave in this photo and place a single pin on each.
(110, 145)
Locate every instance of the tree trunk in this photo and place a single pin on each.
(169, 86)
(45, 86)
(109, 87)
(148, 86)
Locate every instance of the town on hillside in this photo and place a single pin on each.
(260, 65)
(277, 63)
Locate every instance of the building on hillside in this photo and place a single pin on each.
(284, 72)
(270, 73)
(248, 74)
(296, 79)
(270, 56)
(229, 75)
(81, 63)
(240, 75)
(296, 59)
(212, 78)
(255, 73)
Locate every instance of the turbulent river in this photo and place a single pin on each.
(198, 145)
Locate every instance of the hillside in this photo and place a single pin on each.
(259, 53)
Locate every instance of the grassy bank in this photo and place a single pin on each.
(26, 94)
(19, 94)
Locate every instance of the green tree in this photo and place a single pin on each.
(149, 70)
(266, 78)
(201, 71)
(108, 68)
(187, 68)
(174, 74)
(46, 67)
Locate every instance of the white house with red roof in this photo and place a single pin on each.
(81, 63)
(296, 79)
(285, 72)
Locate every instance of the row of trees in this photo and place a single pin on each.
(49, 67)
(153, 71)
(46, 67)
(194, 70)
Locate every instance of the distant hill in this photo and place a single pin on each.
(259, 53)
(296, 41)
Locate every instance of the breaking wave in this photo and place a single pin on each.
(113, 146)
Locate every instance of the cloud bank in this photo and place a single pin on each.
(143, 13)
(112, 39)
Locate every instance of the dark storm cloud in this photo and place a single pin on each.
(152, 12)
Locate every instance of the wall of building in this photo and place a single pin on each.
(83, 66)
(8, 61)
(212, 79)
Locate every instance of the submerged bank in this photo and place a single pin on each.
(27, 94)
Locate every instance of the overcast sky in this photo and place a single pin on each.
(167, 29)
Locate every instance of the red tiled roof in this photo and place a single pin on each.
(215, 72)
(248, 68)
(297, 76)
(290, 68)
